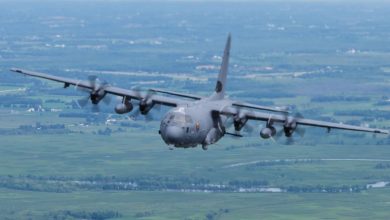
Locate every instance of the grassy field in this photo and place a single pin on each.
(128, 155)
(168, 205)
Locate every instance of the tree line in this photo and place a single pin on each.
(61, 184)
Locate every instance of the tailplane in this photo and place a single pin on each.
(221, 81)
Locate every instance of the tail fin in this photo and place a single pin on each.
(221, 82)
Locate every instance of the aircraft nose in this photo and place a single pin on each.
(174, 135)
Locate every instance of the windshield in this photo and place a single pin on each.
(180, 118)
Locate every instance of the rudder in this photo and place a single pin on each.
(221, 81)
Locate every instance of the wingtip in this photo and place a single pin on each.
(16, 70)
(382, 131)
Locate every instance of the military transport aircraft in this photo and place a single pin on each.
(196, 120)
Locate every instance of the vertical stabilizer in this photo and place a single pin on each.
(221, 81)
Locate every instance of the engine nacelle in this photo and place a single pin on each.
(145, 106)
(267, 132)
(123, 108)
(289, 127)
(97, 96)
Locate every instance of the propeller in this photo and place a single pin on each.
(290, 128)
(239, 121)
(145, 104)
(95, 95)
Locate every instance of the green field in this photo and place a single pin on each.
(327, 60)
(165, 205)
(127, 155)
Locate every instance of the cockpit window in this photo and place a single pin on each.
(181, 119)
(170, 118)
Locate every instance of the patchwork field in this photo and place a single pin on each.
(326, 60)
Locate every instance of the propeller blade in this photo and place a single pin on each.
(135, 113)
(279, 134)
(92, 79)
(95, 108)
(300, 132)
(229, 122)
(97, 87)
(149, 117)
(289, 141)
(149, 94)
(107, 99)
(248, 128)
(157, 107)
(298, 115)
(83, 102)
(82, 89)
(137, 91)
(104, 83)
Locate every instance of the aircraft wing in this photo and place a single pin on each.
(162, 100)
(259, 107)
(168, 101)
(190, 96)
(66, 81)
(282, 119)
(236, 104)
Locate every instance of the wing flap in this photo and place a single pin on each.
(259, 107)
(177, 94)
(331, 125)
(157, 99)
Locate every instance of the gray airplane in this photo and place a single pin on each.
(196, 120)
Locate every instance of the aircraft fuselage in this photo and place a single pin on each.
(192, 125)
